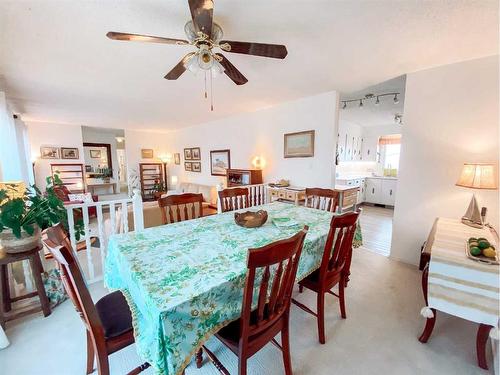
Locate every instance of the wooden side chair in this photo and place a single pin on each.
(175, 208)
(333, 269)
(108, 322)
(276, 266)
(322, 199)
(234, 199)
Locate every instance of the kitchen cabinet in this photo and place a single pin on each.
(373, 193)
(389, 192)
(369, 150)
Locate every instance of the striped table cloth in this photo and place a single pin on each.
(458, 285)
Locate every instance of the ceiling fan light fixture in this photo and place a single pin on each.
(193, 65)
(217, 69)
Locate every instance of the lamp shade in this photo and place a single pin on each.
(478, 176)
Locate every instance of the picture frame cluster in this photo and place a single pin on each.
(191, 155)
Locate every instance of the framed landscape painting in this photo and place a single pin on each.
(220, 161)
(49, 152)
(69, 153)
(147, 153)
(299, 145)
(95, 154)
(177, 158)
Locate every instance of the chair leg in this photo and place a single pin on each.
(301, 288)
(242, 365)
(429, 326)
(285, 344)
(37, 269)
(102, 364)
(90, 354)
(321, 317)
(342, 284)
(199, 358)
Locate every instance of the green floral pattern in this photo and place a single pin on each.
(184, 281)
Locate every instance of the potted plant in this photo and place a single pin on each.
(158, 189)
(21, 219)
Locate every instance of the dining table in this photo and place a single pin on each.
(184, 281)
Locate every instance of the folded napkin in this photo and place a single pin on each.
(284, 222)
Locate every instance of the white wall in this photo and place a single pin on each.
(451, 117)
(261, 133)
(51, 134)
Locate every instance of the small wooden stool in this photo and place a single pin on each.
(5, 298)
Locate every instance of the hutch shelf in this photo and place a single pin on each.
(242, 177)
(150, 174)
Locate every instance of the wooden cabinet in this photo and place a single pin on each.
(242, 177)
(288, 195)
(71, 175)
(150, 174)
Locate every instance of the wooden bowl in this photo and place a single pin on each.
(250, 219)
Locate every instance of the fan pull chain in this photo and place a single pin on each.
(205, 84)
(211, 94)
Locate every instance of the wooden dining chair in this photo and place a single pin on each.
(234, 199)
(333, 269)
(175, 208)
(322, 199)
(275, 268)
(108, 322)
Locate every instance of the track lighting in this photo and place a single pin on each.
(369, 97)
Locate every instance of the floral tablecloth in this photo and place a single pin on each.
(184, 281)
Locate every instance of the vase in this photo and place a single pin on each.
(12, 244)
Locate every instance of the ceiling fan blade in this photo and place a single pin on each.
(202, 12)
(144, 38)
(276, 51)
(180, 68)
(231, 71)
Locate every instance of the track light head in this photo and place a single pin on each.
(396, 100)
(344, 106)
(377, 102)
(360, 103)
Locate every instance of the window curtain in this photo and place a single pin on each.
(15, 159)
(393, 139)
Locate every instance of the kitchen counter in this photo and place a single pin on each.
(339, 187)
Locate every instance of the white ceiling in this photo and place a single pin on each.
(57, 65)
(371, 114)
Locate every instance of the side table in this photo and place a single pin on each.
(6, 313)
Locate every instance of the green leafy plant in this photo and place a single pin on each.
(159, 187)
(34, 209)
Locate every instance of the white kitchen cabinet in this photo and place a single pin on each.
(389, 192)
(369, 150)
(373, 193)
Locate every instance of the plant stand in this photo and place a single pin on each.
(6, 313)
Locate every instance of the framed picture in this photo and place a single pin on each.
(196, 166)
(188, 166)
(196, 153)
(69, 153)
(147, 153)
(88, 168)
(177, 158)
(187, 154)
(299, 145)
(220, 160)
(95, 154)
(49, 152)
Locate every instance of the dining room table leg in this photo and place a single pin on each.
(482, 338)
(430, 321)
(199, 358)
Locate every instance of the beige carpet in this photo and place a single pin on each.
(379, 335)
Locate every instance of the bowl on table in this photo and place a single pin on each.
(250, 219)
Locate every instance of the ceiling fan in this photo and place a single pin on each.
(206, 35)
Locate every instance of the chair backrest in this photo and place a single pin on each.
(338, 245)
(322, 199)
(56, 240)
(277, 264)
(234, 199)
(62, 192)
(175, 208)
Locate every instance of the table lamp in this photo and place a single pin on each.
(477, 176)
